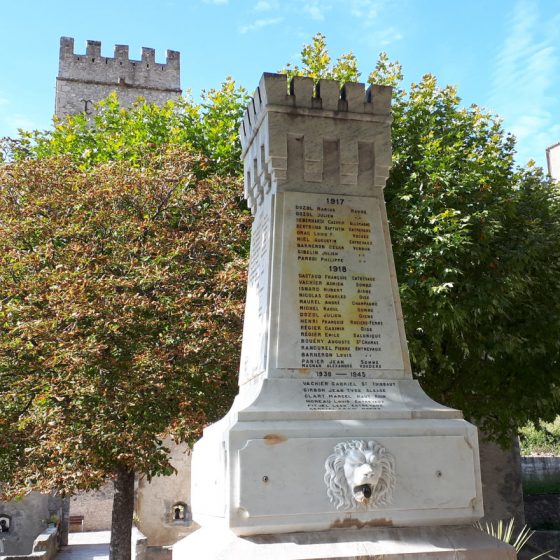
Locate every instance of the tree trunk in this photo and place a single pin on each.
(65, 522)
(121, 523)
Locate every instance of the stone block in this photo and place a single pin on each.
(436, 543)
(329, 92)
(354, 94)
(302, 90)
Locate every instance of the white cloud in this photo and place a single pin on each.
(11, 122)
(524, 74)
(375, 32)
(259, 24)
(366, 11)
(387, 36)
(265, 6)
(16, 121)
(316, 9)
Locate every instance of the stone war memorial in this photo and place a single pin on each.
(331, 449)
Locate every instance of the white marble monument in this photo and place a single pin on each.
(330, 440)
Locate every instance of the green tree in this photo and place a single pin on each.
(121, 290)
(477, 250)
(123, 243)
(114, 133)
(317, 63)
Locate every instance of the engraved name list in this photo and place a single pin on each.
(340, 302)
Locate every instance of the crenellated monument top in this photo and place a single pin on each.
(317, 136)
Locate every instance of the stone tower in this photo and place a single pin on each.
(84, 79)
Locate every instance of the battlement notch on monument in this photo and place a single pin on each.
(323, 136)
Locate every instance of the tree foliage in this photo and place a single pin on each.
(115, 133)
(123, 246)
(317, 63)
(477, 249)
(541, 438)
(121, 292)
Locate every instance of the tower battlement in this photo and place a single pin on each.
(322, 135)
(84, 79)
(93, 66)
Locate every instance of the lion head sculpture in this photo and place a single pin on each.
(359, 475)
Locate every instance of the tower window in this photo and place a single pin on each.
(180, 512)
(4, 524)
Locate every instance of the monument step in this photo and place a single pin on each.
(413, 543)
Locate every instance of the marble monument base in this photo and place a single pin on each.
(427, 543)
(262, 469)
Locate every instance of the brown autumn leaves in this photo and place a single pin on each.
(121, 300)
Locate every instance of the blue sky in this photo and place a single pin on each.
(503, 55)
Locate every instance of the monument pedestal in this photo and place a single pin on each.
(274, 452)
(426, 543)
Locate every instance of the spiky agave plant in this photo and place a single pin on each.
(503, 531)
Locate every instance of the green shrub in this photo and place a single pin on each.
(540, 439)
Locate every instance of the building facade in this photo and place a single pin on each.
(553, 161)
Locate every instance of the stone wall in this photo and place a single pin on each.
(155, 501)
(542, 541)
(154, 504)
(159, 553)
(44, 547)
(96, 507)
(536, 467)
(542, 511)
(501, 481)
(553, 161)
(139, 544)
(84, 79)
(27, 518)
